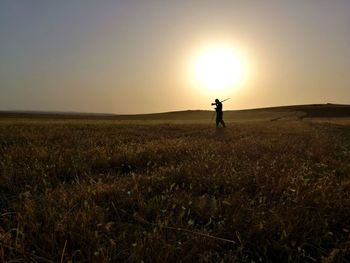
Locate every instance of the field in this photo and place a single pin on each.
(118, 191)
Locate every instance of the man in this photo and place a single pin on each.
(219, 113)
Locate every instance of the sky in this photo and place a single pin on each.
(129, 57)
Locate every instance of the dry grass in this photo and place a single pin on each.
(101, 192)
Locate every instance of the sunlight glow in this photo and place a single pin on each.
(218, 68)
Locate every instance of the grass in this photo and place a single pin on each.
(105, 191)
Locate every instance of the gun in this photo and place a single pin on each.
(220, 101)
(225, 99)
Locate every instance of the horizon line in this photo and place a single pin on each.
(69, 112)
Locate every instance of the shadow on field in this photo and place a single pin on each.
(219, 133)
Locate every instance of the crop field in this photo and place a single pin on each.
(114, 191)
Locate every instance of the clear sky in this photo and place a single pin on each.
(135, 56)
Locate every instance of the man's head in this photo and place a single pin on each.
(217, 101)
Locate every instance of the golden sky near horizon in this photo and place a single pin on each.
(157, 56)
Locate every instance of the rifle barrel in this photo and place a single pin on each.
(225, 100)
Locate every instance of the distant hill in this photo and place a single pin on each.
(267, 114)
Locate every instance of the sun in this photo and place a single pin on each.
(218, 68)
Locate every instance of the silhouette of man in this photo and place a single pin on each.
(219, 113)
